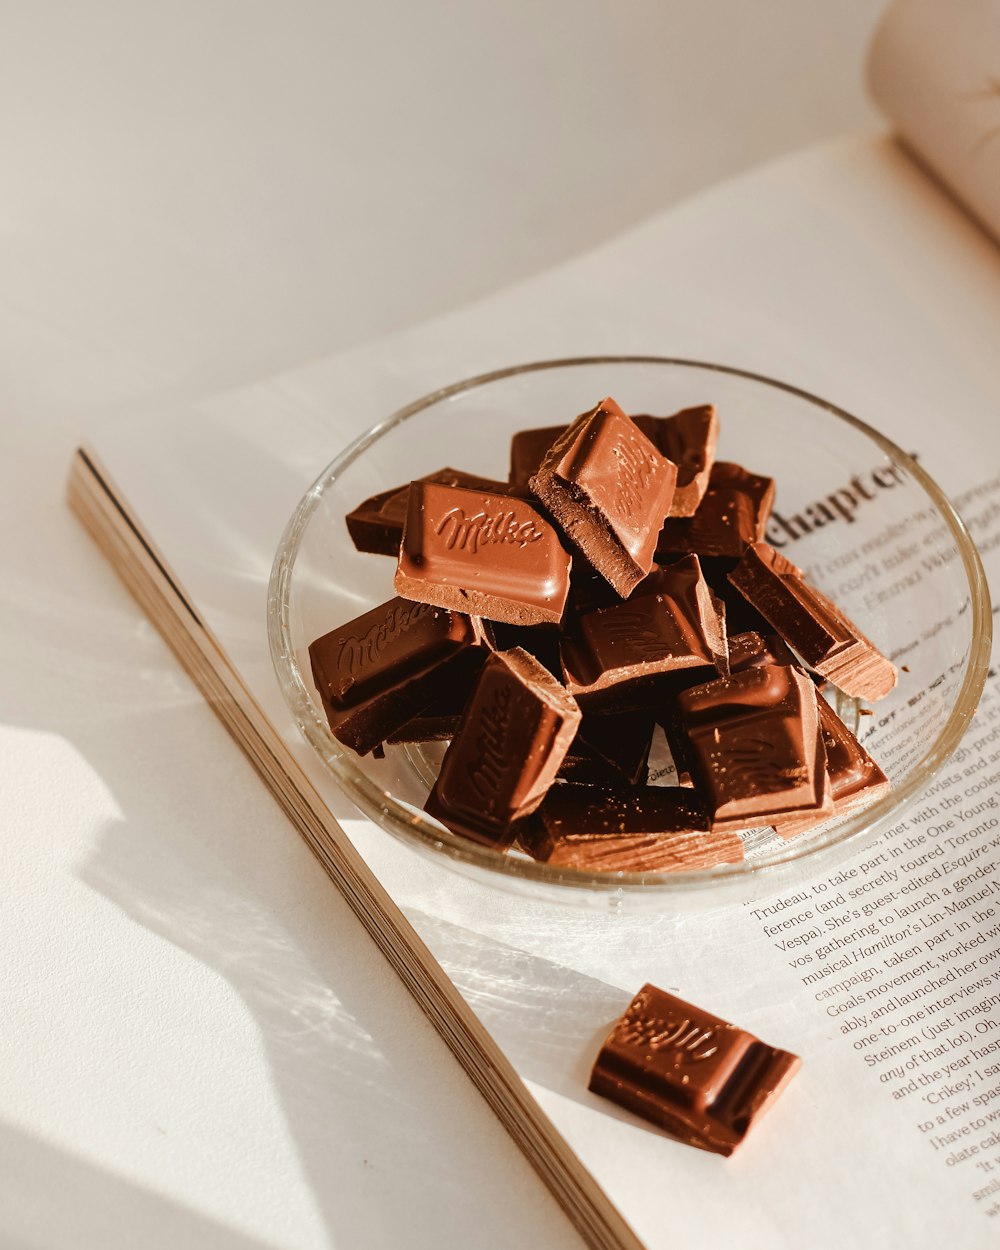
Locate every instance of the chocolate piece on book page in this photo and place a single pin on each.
(705, 1081)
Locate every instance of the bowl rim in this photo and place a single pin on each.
(420, 830)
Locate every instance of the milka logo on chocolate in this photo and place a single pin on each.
(470, 532)
(751, 764)
(689, 1042)
(636, 467)
(636, 633)
(357, 654)
(488, 766)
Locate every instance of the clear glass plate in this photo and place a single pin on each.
(866, 522)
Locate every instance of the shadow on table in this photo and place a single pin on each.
(201, 857)
(345, 1045)
(549, 1020)
(50, 1197)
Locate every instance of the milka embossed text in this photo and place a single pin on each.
(357, 654)
(471, 532)
(490, 765)
(635, 468)
(689, 1042)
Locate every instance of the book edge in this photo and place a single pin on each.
(105, 513)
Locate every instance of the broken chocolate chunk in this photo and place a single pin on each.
(514, 733)
(376, 672)
(811, 624)
(490, 555)
(613, 656)
(688, 439)
(755, 750)
(647, 829)
(608, 489)
(856, 780)
(376, 525)
(733, 513)
(705, 1081)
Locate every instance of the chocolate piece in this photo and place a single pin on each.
(541, 641)
(374, 673)
(855, 779)
(755, 749)
(703, 1080)
(648, 829)
(610, 749)
(491, 555)
(528, 447)
(812, 625)
(684, 583)
(688, 439)
(527, 451)
(376, 525)
(615, 652)
(741, 616)
(514, 733)
(751, 650)
(439, 719)
(609, 489)
(733, 513)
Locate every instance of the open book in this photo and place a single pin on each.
(846, 271)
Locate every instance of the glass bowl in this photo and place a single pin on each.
(866, 522)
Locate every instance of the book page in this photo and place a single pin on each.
(844, 272)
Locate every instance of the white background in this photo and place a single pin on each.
(193, 196)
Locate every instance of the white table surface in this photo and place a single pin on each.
(201, 1047)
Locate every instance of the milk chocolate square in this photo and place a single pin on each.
(514, 733)
(811, 624)
(609, 489)
(376, 672)
(754, 748)
(612, 657)
(732, 514)
(491, 555)
(702, 1079)
(640, 829)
